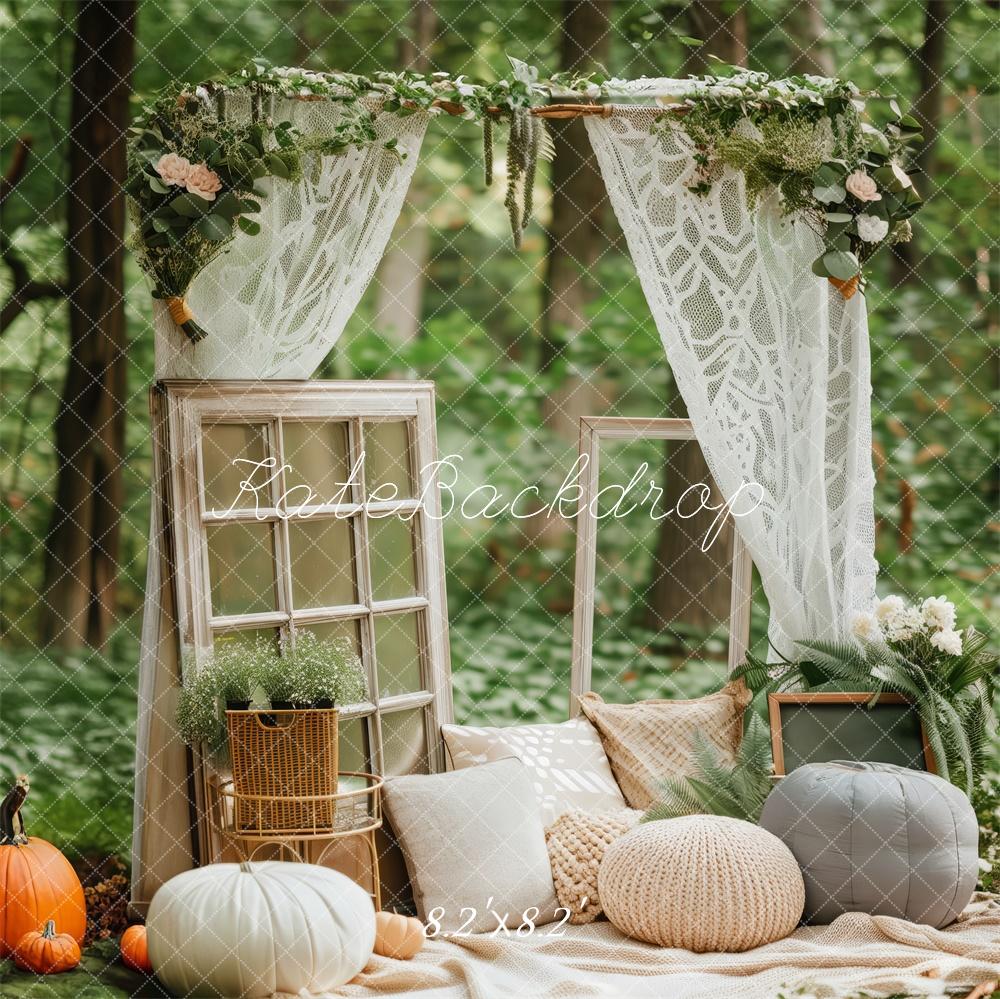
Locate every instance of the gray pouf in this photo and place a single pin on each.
(877, 838)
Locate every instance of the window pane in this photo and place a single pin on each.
(322, 562)
(352, 746)
(387, 461)
(221, 444)
(390, 542)
(317, 454)
(332, 630)
(241, 568)
(403, 745)
(397, 654)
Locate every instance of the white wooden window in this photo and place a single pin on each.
(604, 452)
(273, 534)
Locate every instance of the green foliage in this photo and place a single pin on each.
(717, 787)
(954, 694)
(811, 142)
(325, 670)
(314, 670)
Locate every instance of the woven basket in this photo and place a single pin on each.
(282, 756)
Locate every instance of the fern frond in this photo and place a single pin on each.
(676, 798)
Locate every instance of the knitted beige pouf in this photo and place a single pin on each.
(703, 882)
(577, 841)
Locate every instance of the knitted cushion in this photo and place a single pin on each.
(877, 838)
(649, 740)
(577, 841)
(702, 882)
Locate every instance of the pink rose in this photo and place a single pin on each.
(202, 181)
(862, 186)
(173, 169)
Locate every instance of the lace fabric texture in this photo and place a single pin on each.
(772, 363)
(275, 303)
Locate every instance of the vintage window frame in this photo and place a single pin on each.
(189, 405)
(594, 430)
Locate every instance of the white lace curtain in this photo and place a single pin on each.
(772, 363)
(275, 303)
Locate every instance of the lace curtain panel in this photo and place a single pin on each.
(772, 363)
(275, 303)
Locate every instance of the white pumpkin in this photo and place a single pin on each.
(253, 929)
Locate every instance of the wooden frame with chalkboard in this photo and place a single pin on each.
(822, 727)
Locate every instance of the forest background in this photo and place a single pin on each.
(519, 344)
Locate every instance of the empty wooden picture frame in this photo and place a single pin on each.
(833, 725)
(595, 430)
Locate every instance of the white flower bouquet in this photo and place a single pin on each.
(911, 649)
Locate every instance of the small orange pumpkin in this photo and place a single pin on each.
(398, 936)
(48, 952)
(135, 952)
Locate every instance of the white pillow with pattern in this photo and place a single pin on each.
(566, 762)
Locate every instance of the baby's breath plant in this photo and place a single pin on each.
(325, 671)
(199, 719)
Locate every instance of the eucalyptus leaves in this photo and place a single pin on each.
(810, 139)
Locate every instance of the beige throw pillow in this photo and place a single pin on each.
(474, 846)
(566, 762)
(649, 740)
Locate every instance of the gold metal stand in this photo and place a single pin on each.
(356, 811)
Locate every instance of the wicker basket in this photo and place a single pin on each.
(279, 756)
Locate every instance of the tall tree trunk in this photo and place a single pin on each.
(400, 279)
(575, 240)
(81, 547)
(927, 109)
(722, 26)
(807, 30)
(690, 585)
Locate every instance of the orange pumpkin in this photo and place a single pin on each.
(398, 936)
(135, 952)
(48, 952)
(37, 882)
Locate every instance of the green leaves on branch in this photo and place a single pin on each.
(717, 787)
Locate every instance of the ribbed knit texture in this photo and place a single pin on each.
(702, 882)
(577, 841)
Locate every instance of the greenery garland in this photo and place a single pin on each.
(194, 173)
(808, 139)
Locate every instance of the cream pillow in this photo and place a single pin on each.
(474, 846)
(566, 762)
(649, 740)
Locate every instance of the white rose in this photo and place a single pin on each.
(938, 613)
(866, 627)
(889, 606)
(872, 229)
(948, 641)
(862, 186)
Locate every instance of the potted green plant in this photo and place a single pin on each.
(326, 673)
(199, 721)
(238, 667)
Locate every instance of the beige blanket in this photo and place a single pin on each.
(879, 954)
